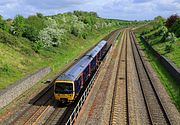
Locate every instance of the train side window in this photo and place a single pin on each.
(79, 81)
(94, 62)
(78, 85)
(86, 73)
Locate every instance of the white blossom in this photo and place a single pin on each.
(51, 35)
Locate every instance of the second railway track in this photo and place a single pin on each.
(156, 112)
(128, 56)
(119, 109)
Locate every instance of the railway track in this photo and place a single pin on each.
(37, 106)
(124, 92)
(156, 112)
(119, 109)
(120, 112)
(44, 102)
(44, 110)
(54, 118)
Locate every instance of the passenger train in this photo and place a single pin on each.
(68, 85)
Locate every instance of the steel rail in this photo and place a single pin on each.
(124, 44)
(133, 41)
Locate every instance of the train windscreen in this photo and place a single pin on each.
(64, 88)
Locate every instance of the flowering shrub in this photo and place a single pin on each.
(51, 35)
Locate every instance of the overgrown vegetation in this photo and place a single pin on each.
(162, 35)
(51, 31)
(27, 44)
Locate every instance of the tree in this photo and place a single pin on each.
(93, 14)
(3, 24)
(176, 28)
(163, 30)
(169, 37)
(159, 20)
(9, 19)
(171, 20)
(51, 36)
(33, 26)
(31, 33)
(18, 25)
(1, 18)
(40, 15)
(168, 48)
(74, 31)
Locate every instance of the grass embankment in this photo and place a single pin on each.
(154, 38)
(27, 44)
(15, 63)
(174, 55)
(171, 86)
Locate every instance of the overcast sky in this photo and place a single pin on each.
(119, 9)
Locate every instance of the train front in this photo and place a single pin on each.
(64, 91)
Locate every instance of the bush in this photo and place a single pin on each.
(34, 24)
(159, 21)
(40, 15)
(18, 25)
(74, 31)
(170, 37)
(8, 38)
(171, 20)
(84, 35)
(37, 46)
(4, 26)
(168, 48)
(31, 33)
(51, 36)
(177, 32)
(176, 28)
(6, 69)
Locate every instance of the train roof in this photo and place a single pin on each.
(78, 68)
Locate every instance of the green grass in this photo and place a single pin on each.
(174, 55)
(155, 41)
(169, 83)
(152, 32)
(15, 64)
(148, 26)
(24, 54)
(56, 59)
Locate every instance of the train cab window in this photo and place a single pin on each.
(64, 88)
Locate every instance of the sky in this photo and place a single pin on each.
(115, 9)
